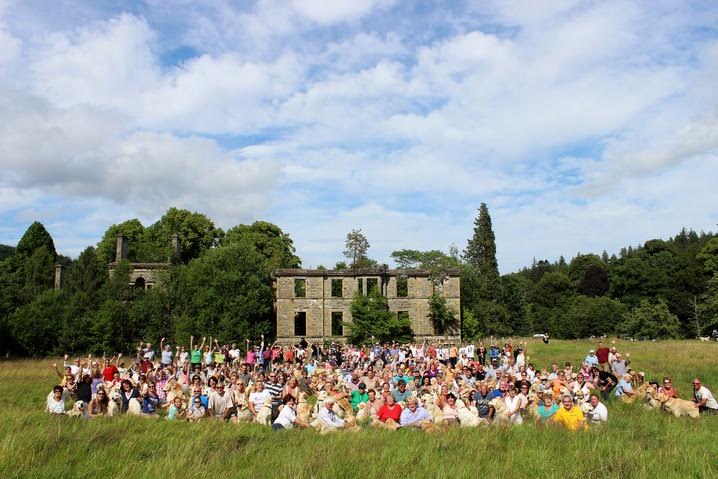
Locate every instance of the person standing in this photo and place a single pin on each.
(602, 353)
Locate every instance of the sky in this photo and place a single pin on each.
(584, 126)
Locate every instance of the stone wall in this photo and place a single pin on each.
(318, 302)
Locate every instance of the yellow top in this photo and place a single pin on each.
(573, 420)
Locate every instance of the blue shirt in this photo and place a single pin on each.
(408, 418)
(149, 405)
(399, 396)
(591, 360)
(496, 393)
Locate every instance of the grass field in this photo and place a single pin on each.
(635, 442)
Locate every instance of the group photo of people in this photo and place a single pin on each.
(335, 386)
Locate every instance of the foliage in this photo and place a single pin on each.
(591, 316)
(356, 248)
(269, 240)
(87, 274)
(481, 249)
(35, 326)
(35, 237)
(371, 318)
(196, 233)
(441, 315)
(226, 294)
(469, 326)
(651, 321)
(6, 251)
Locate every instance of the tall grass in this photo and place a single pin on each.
(635, 442)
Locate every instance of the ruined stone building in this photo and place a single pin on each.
(315, 304)
(143, 275)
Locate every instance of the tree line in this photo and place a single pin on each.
(220, 285)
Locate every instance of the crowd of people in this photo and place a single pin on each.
(340, 386)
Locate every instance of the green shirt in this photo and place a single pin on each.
(358, 397)
(196, 356)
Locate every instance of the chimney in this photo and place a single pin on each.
(176, 247)
(121, 250)
(58, 275)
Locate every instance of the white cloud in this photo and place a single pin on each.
(329, 12)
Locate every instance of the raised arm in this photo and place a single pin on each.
(191, 343)
(57, 371)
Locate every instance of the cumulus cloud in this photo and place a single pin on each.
(565, 116)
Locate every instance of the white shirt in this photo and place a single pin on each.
(258, 398)
(330, 418)
(598, 414)
(286, 417)
(704, 393)
(470, 351)
(56, 407)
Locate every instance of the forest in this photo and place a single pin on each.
(220, 286)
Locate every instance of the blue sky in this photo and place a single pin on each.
(583, 125)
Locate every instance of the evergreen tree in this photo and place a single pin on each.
(481, 249)
(35, 237)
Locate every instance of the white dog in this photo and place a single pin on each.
(134, 408)
(115, 405)
(79, 409)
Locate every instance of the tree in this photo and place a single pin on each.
(594, 281)
(356, 248)
(6, 251)
(196, 233)
(134, 232)
(39, 271)
(371, 318)
(651, 321)
(35, 237)
(226, 293)
(698, 317)
(581, 264)
(35, 326)
(481, 249)
(442, 316)
(86, 274)
(469, 326)
(591, 316)
(269, 240)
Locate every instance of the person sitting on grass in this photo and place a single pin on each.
(668, 389)
(56, 401)
(196, 411)
(413, 414)
(703, 398)
(450, 411)
(328, 418)
(287, 417)
(570, 417)
(151, 400)
(598, 412)
(99, 405)
(624, 389)
(547, 407)
(390, 410)
(176, 410)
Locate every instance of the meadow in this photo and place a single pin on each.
(635, 443)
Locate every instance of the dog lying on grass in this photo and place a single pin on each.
(675, 406)
(79, 409)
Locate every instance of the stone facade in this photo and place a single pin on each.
(143, 275)
(312, 312)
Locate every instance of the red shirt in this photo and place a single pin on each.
(602, 354)
(108, 374)
(386, 412)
